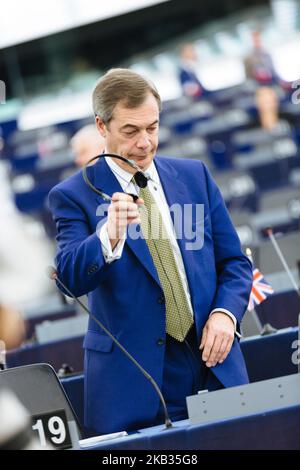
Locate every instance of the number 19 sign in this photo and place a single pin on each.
(52, 428)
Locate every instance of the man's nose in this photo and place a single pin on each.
(143, 141)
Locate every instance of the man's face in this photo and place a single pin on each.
(133, 133)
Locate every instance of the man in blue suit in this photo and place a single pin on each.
(174, 301)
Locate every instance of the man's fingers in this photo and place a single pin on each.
(121, 197)
(227, 350)
(223, 347)
(121, 206)
(123, 215)
(124, 220)
(216, 347)
(208, 346)
(204, 336)
(212, 359)
(140, 201)
(218, 336)
(136, 220)
(220, 350)
(126, 198)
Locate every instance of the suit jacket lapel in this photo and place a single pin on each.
(177, 192)
(105, 180)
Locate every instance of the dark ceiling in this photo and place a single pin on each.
(106, 43)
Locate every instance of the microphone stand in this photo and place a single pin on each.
(52, 274)
(276, 247)
(267, 328)
(280, 255)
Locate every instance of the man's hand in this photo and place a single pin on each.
(121, 212)
(217, 338)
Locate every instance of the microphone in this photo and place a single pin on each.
(140, 177)
(269, 232)
(52, 274)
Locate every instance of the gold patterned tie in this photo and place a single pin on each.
(179, 318)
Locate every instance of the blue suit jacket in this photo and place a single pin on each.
(127, 295)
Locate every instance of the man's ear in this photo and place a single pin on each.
(100, 126)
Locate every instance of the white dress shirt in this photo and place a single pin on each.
(156, 189)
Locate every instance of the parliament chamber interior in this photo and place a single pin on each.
(228, 76)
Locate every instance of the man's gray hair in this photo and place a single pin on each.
(121, 85)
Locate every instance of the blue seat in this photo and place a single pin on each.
(68, 351)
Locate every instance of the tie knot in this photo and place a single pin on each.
(133, 180)
(140, 179)
(141, 191)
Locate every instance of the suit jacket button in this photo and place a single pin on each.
(161, 299)
(91, 269)
(160, 342)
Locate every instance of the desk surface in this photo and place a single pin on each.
(266, 357)
(276, 429)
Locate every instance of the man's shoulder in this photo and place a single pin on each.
(70, 185)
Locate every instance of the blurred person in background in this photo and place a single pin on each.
(23, 258)
(12, 330)
(267, 105)
(24, 252)
(15, 430)
(190, 83)
(259, 64)
(15, 422)
(269, 116)
(87, 143)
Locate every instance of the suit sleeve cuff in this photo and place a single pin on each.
(109, 254)
(227, 312)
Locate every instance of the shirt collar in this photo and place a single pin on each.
(124, 177)
(152, 173)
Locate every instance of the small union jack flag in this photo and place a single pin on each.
(260, 290)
